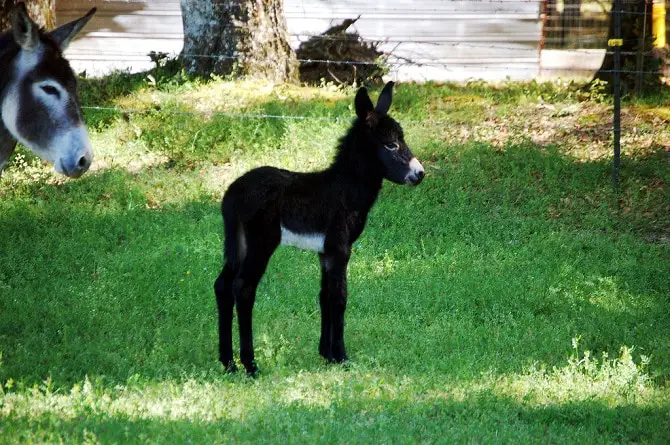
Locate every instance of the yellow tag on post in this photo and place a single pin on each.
(615, 42)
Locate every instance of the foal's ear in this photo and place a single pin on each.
(385, 98)
(64, 34)
(364, 108)
(26, 32)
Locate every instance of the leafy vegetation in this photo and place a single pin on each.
(511, 297)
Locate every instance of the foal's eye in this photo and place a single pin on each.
(51, 90)
(392, 147)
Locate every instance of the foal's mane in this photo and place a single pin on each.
(353, 156)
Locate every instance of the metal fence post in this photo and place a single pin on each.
(617, 93)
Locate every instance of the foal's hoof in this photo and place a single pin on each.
(230, 367)
(252, 370)
(339, 360)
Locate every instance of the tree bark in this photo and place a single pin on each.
(239, 37)
(636, 52)
(43, 12)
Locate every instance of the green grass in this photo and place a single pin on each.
(511, 297)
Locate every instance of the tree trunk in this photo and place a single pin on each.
(637, 50)
(43, 12)
(240, 37)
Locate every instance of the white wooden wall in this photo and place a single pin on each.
(431, 39)
(122, 33)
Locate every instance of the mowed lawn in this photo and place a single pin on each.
(512, 297)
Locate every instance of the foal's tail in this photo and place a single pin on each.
(231, 232)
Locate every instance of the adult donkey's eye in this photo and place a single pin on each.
(392, 147)
(51, 90)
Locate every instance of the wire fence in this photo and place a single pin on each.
(530, 127)
(556, 24)
(389, 59)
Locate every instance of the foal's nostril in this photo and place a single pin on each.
(420, 174)
(83, 162)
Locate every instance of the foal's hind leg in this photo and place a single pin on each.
(244, 289)
(337, 289)
(325, 341)
(223, 288)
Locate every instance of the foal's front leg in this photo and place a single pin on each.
(337, 304)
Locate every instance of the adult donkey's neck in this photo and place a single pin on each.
(8, 51)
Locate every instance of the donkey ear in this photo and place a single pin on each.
(363, 103)
(364, 108)
(64, 34)
(26, 32)
(385, 98)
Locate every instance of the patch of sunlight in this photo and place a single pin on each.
(299, 151)
(655, 111)
(166, 400)
(618, 381)
(613, 381)
(111, 152)
(606, 294)
(311, 389)
(228, 96)
(26, 167)
(232, 398)
(379, 267)
(224, 95)
(303, 148)
(572, 287)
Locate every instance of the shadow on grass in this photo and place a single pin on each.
(353, 419)
(504, 265)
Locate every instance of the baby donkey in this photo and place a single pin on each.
(323, 211)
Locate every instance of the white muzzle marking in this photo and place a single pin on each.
(415, 171)
(306, 241)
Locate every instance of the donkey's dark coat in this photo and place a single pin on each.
(38, 94)
(324, 211)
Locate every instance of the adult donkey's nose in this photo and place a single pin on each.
(76, 154)
(76, 165)
(81, 166)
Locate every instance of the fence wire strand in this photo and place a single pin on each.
(346, 120)
(389, 59)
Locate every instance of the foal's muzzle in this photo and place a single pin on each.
(416, 172)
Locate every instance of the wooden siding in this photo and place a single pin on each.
(122, 33)
(429, 39)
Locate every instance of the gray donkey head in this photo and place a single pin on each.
(38, 94)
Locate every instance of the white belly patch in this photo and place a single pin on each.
(307, 241)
